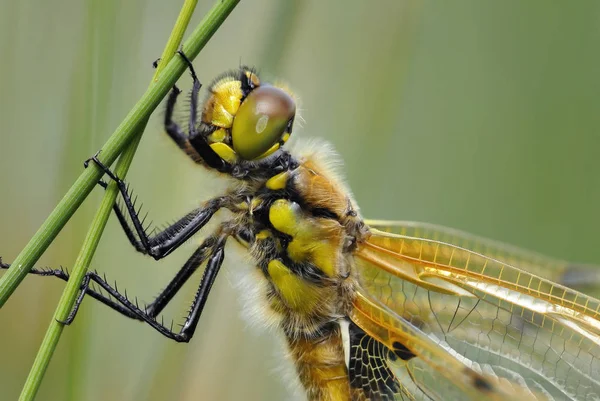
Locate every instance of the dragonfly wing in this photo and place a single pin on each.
(369, 369)
(423, 366)
(577, 275)
(499, 319)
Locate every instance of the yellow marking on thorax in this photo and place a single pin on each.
(313, 240)
(262, 235)
(248, 206)
(278, 181)
(298, 293)
(255, 203)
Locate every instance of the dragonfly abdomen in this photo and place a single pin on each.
(320, 364)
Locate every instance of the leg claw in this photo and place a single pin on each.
(103, 167)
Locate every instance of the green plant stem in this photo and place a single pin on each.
(126, 131)
(183, 20)
(92, 239)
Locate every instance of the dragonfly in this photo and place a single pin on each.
(370, 310)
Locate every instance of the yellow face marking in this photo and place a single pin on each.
(285, 137)
(218, 136)
(224, 152)
(297, 293)
(220, 116)
(226, 99)
(229, 95)
(313, 240)
(278, 181)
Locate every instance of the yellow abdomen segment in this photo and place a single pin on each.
(321, 367)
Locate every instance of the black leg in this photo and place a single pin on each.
(196, 85)
(215, 261)
(63, 275)
(212, 249)
(172, 128)
(196, 140)
(190, 266)
(126, 303)
(165, 242)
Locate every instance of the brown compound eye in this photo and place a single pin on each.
(261, 122)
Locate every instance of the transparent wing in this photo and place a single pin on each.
(425, 368)
(495, 319)
(560, 271)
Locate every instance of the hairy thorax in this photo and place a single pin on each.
(305, 226)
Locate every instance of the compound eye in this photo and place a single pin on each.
(261, 122)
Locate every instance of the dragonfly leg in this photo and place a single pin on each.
(196, 85)
(166, 241)
(214, 263)
(214, 253)
(173, 129)
(64, 275)
(190, 266)
(212, 250)
(193, 143)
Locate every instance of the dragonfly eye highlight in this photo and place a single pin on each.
(262, 123)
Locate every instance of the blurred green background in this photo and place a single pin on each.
(479, 115)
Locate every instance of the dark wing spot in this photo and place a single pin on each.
(401, 351)
(482, 384)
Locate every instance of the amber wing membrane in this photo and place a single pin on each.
(561, 271)
(479, 327)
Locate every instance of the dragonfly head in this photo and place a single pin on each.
(245, 120)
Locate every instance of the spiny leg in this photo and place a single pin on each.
(172, 230)
(194, 144)
(172, 128)
(215, 260)
(196, 85)
(172, 237)
(213, 266)
(190, 266)
(64, 275)
(213, 249)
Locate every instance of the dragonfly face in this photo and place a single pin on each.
(370, 310)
